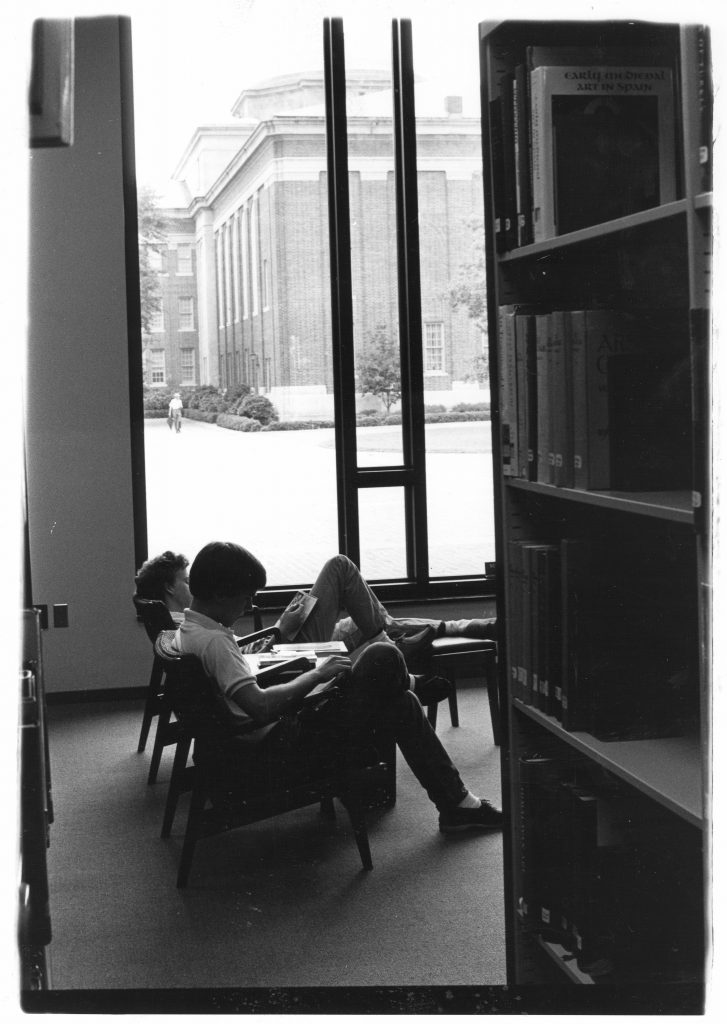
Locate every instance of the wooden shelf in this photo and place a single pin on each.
(668, 770)
(598, 232)
(703, 201)
(676, 506)
(566, 962)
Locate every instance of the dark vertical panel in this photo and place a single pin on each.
(133, 297)
(341, 303)
(410, 317)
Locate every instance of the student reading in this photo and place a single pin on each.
(377, 695)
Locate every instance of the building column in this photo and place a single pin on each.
(207, 299)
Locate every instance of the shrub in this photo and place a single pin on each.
(434, 408)
(242, 423)
(257, 407)
(202, 397)
(298, 425)
(471, 407)
(157, 399)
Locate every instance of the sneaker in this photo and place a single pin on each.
(432, 689)
(459, 819)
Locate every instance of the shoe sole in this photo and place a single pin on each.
(468, 826)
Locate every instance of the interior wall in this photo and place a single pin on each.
(78, 441)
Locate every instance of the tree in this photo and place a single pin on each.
(151, 239)
(469, 289)
(379, 369)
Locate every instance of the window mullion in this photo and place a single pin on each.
(341, 303)
(410, 318)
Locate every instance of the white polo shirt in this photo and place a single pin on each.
(222, 660)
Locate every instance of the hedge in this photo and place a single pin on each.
(232, 422)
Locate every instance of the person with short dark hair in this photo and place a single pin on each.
(165, 578)
(375, 695)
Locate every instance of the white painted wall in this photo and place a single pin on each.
(78, 432)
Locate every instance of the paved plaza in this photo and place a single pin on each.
(275, 493)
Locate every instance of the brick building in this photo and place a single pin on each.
(249, 230)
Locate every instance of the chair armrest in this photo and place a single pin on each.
(250, 638)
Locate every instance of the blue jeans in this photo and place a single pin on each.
(375, 707)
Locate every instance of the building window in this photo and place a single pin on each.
(184, 259)
(186, 313)
(434, 348)
(156, 260)
(158, 367)
(187, 366)
(156, 324)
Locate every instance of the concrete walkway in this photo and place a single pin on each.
(275, 493)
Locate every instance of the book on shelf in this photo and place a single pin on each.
(509, 211)
(547, 644)
(521, 139)
(596, 335)
(560, 457)
(512, 449)
(602, 142)
(514, 620)
(507, 388)
(527, 397)
(544, 458)
(498, 171)
(576, 610)
(538, 775)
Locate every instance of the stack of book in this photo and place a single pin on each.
(593, 399)
(581, 135)
(589, 857)
(579, 633)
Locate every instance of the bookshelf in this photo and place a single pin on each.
(603, 590)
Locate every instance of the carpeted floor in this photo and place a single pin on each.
(280, 903)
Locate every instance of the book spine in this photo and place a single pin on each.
(521, 357)
(552, 627)
(507, 390)
(534, 771)
(574, 569)
(596, 336)
(523, 157)
(560, 376)
(498, 173)
(541, 142)
(542, 361)
(514, 618)
(508, 161)
(531, 398)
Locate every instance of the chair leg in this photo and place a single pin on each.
(493, 698)
(162, 726)
(192, 834)
(432, 715)
(358, 824)
(453, 709)
(176, 783)
(327, 808)
(151, 708)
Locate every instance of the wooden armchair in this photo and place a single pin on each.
(219, 803)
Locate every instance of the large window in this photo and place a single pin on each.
(186, 313)
(372, 350)
(184, 260)
(187, 364)
(158, 366)
(433, 348)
